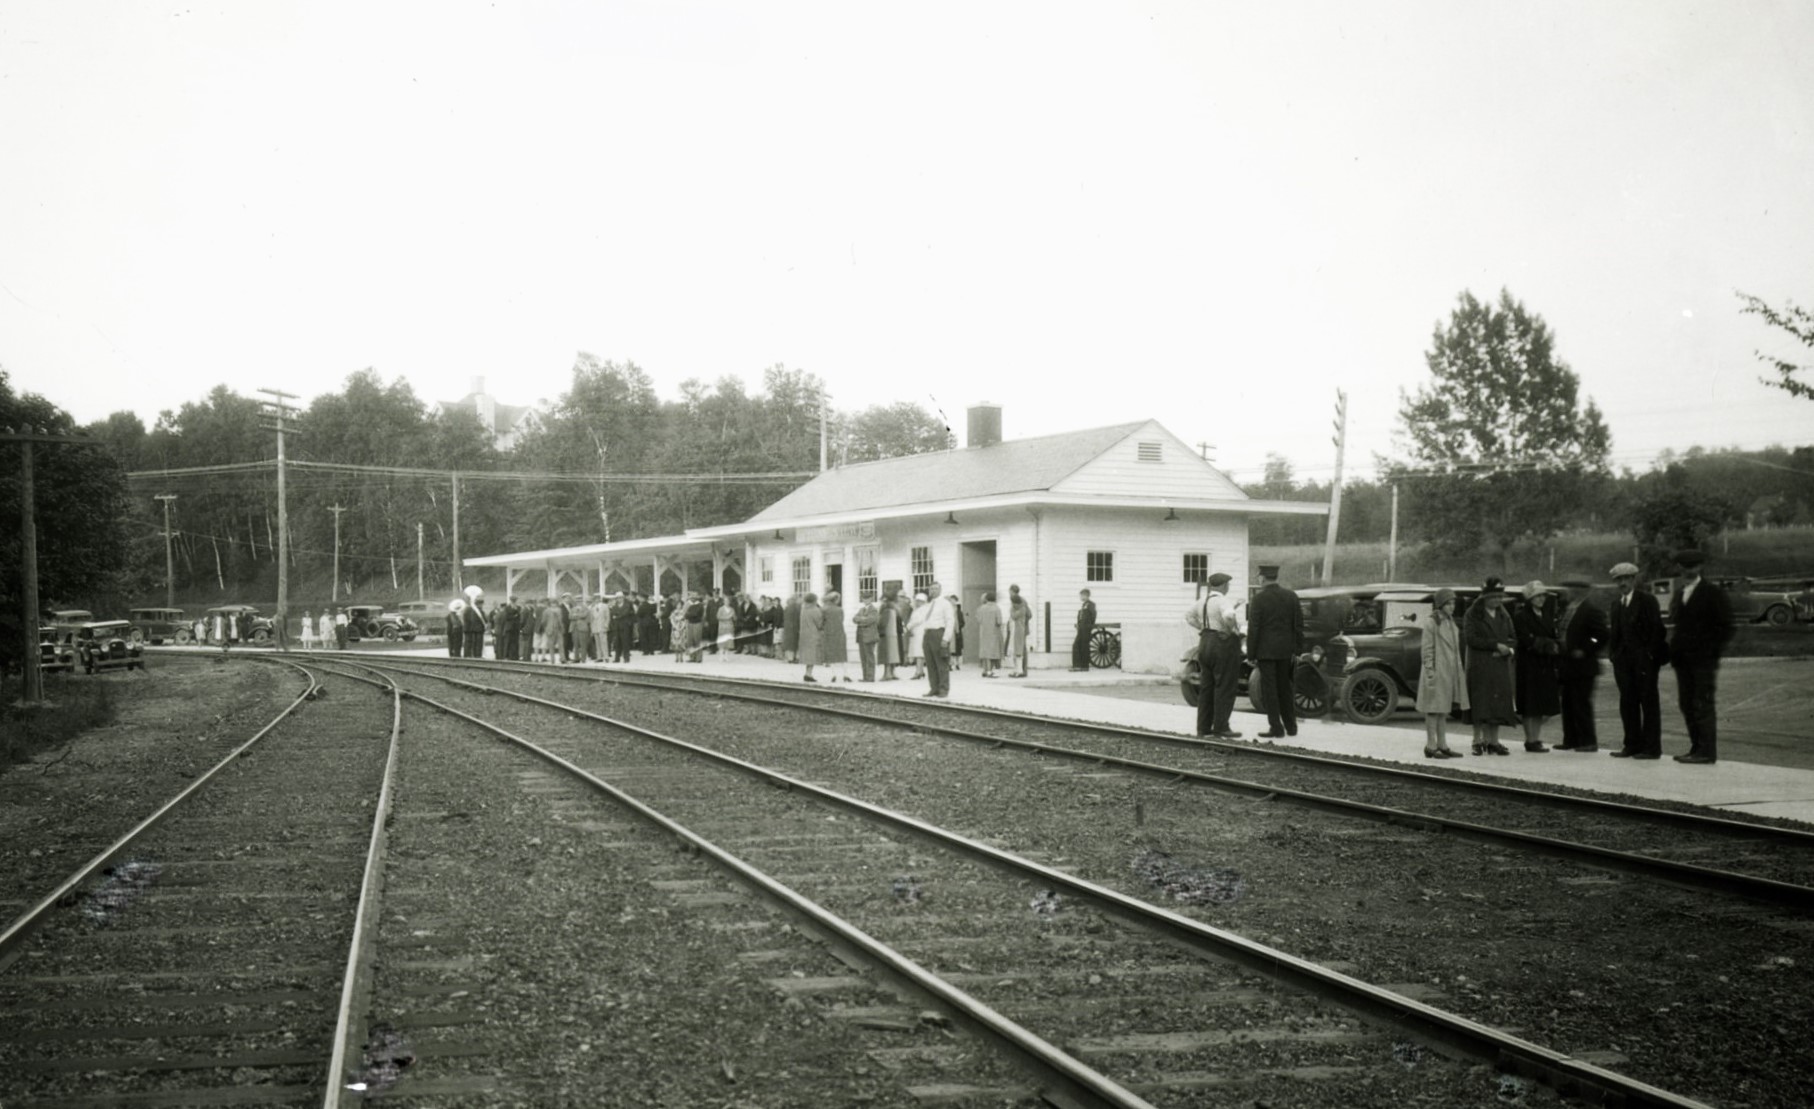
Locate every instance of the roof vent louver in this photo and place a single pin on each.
(1152, 452)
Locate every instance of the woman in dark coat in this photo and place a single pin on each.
(1491, 642)
(1538, 680)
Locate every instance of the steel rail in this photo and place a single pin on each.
(1562, 1072)
(1696, 821)
(16, 932)
(1691, 875)
(350, 1024)
(1067, 1081)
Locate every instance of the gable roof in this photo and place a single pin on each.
(506, 416)
(1014, 466)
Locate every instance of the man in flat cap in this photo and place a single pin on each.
(1218, 658)
(1275, 637)
(1702, 615)
(1584, 632)
(1635, 640)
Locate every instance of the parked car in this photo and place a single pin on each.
(65, 621)
(263, 631)
(372, 622)
(155, 625)
(1752, 601)
(108, 645)
(54, 652)
(1369, 670)
(1329, 611)
(420, 611)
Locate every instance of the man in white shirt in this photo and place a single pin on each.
(1218, 658)
(937, 633)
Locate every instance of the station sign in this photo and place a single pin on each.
(829, 533)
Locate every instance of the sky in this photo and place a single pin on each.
(1211, 214)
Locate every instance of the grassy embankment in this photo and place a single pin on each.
(71, 706)
(1772, 553)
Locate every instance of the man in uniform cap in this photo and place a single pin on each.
(1218, 658)
(1702, 616)
(1275, 637)
(1635, 640)
(1583, 634)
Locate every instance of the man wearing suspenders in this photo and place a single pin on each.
(1219, 656)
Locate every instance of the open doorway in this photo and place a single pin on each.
(976, 567)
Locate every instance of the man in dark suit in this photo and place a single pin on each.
(1584, 632)
(1635, 640)
(1275, 637)
(1702, 615)
(1086, 626)
(472, 624)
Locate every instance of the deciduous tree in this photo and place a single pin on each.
(1799, 323)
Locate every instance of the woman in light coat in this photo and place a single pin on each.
(1020, 624)
(989, 628)
(1443, 686)
(812, 632)
(308, 630)
(915, 621)
(834, 641)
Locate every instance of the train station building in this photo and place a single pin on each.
(1127, 511)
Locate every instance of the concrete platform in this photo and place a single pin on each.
(1100, 695)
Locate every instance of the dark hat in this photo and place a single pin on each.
(1268, 571)
(1492, 587)
(1689, 559)
(1219, 579)
(1576, 583)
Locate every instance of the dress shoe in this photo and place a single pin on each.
(1226, 733)
(1535, 747)
(1496, 749)
(1291, 731)
(1584, 749)
(1270, 734)
(1624, 753)
(1446, 753)
(1648, 755)
(1697, 760)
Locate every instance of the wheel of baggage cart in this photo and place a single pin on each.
(1105, 648)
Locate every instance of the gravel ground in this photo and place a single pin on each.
(1687, 991)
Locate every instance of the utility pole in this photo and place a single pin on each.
(1392, 543)
(1340, 439)
(336, 510)
(420, 594)
(1204, 448)
(28, 549)
(279, 408)
(169, 562)
(822, 432)
(459, 586)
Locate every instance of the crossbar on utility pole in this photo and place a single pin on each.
(280, 409)
(169, 560)
(28, 535)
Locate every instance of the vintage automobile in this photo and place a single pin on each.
(1752, 601)
(372, 622)
(155, 625)
(54, 651)
(263, 631)
(418, 612)
(65, 620)
(1329, 611)
(107, 645)
(1369, 671)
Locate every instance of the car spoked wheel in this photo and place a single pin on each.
(1309, 691)
(1369, 696)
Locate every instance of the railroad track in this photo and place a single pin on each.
(1765, 863)
(1084, 975)
(212, 955)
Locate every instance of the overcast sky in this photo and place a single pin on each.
(1211, 214)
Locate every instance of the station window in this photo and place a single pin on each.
(922, 569)
(1099, 566)
(767, 564)
(1196, 568)
(867, 557)
(803, 575)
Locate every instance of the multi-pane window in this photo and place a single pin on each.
(867, 557)
(922, 568)
(1099, 566)
(1196, 568)
(768, 569)
(803, 575)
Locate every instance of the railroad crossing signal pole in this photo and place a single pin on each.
(169, 561)
(280, 408)
(1340, 440)
(28, 536)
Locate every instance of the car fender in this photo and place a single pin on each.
(1374, 662)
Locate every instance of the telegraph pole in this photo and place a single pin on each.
(1392, 544)
(279, 409)
(1340, 439)
(336, 510)
(458, 584)
(169, 562)
(420, 595)
(28, 545)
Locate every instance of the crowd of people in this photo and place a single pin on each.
(924, 630)
(1495, 667)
